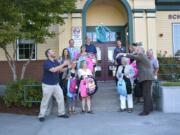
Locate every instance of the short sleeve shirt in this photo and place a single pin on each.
(154, 64)
(49, 77)
(91, 49)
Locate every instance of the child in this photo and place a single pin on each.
(72, 88)
(84, 72)
(126, 72)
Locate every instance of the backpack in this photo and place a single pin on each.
(91, 86)
(121, 87)
(73, 86)
(134, 66)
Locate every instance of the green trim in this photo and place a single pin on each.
(138, 17)
(144, 10)
(151, 17)
(138, 10)
(77, 11)
(150, 10)
(168, 7)
(76, 17)
(167, 2)
(130, 18)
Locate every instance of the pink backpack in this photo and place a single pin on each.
(90, 64)
(134, 66)
(82, 88)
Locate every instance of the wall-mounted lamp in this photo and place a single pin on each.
(161, 35)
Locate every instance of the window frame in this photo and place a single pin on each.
(173, 38)
(17, 52)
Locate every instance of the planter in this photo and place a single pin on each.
(169, 101)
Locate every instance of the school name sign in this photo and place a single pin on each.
(174, 16)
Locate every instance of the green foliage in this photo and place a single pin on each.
(169, 68)
(171, 83)
(31, 19)
(14, 94)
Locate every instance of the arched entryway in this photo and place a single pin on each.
(117, 16)
(126, 6)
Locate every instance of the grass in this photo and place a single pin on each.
(171, 83)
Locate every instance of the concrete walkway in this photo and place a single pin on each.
(105, 121)
(100, 123)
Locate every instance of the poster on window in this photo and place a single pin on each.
(77, 35)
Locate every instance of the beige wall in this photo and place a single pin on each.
(164, 26)
(2, 54)
(145, 30)
(110, 13)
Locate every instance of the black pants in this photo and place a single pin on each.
(147, 95)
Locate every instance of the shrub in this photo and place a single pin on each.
(169, 68)
(14, 94)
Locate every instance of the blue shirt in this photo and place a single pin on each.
(91, 49)
(49, 77)
(116, 51)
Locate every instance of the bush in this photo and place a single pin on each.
(14, 94)
(169, 68)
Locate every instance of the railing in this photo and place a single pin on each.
(36, 89)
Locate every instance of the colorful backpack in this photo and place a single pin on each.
(134, 66)
(91, 86)
(73, 86)
(121, 87)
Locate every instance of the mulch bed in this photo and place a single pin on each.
(34, 110)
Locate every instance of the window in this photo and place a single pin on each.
(176, 39)
(110, 36)
(24, 49)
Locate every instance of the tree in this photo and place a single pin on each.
(29, 19)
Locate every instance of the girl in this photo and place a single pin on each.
(63, 76)
(72, 88)
(84, 72)
(126, 72)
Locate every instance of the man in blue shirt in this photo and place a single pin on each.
(50, 85)
(117, 50)
(90, 48)
(117, 59)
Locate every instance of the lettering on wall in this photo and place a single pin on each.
(174, 16)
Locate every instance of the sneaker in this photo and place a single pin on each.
(129, 110)
(123, 110)
(90, 112)
(83, 112)
(41, 119)
(63, 116)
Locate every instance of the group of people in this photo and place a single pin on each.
(134, 76)
(68, 77)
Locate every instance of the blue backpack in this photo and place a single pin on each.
(121, 87)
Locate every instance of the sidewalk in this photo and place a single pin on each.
(100, 123)
(105, 121)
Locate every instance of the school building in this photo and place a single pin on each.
(154, 23)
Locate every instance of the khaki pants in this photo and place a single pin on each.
(48, 92)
